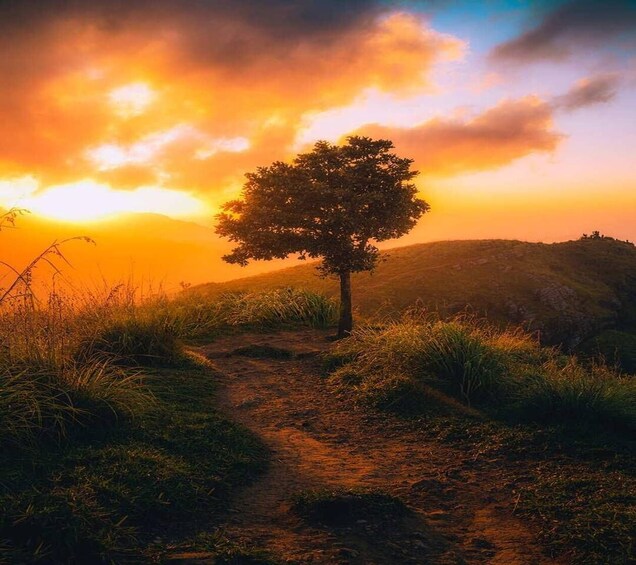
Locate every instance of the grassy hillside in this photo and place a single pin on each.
(568, 291)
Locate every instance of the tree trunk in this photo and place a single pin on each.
(345, 325)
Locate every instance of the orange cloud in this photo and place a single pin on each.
(190, 98)
(508, 131)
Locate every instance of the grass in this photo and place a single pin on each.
(576, 492)
(114, 449)
(590, 507)
(612, 347)
(134, 340)
(73, 363)
(52, 403)
(586, 397)
(506, 374)
(567, 291)
(561, 431)
(132, 493)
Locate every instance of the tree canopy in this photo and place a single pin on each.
(333, 203)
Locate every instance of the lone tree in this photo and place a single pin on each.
(333, 203)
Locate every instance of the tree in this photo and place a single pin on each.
(333, 203)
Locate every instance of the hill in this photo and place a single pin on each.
(567, 291)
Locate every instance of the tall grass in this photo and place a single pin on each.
(75, 361)
(505, 373)
(586, 396)
(280, 307)
(39, 403)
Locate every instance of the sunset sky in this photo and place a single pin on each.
(520, 116)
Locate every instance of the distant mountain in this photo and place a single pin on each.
(151, 249)
(567, 291)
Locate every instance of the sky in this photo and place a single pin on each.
(519, 115)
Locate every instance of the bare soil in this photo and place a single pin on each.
(460, 512)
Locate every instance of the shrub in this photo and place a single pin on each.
(53, 401)
(134, 341)
(464, 359)
(414, 365)
(465, 363)
(578, 396)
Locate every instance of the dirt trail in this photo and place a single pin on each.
(460, 514)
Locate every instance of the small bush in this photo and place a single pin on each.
(52, 402)
(418, 365)
(578, 396)
(134, 341)
(463, 359)
(465, 363)
(612, 347)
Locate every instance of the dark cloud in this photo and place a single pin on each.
(213, 30)
(589, 91)
(577, 23)
(510, 130)
(225, 69)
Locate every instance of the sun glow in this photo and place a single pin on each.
(132, 99)
(87, 201)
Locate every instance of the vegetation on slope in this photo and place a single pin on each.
(116, 449)
(134, 493)
(507, 373)
(568, 291)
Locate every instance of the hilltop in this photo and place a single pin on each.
(567, 291)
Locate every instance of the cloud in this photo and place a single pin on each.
(508, 131)
(87, 85)
(588, 91)
(577, 23)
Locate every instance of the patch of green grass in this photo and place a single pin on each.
(589, 399)
(612, 347)
(415, 364)
(275, 308)
(110, 498)
(558, 429)
(205, 545)
(462, 359)
(54, 402)
(577, 491)
(343, 507)
(134, 341)
(590, 510)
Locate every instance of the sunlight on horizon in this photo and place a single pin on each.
(158, 109)
(87, 201)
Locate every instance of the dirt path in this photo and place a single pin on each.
(460, 515)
